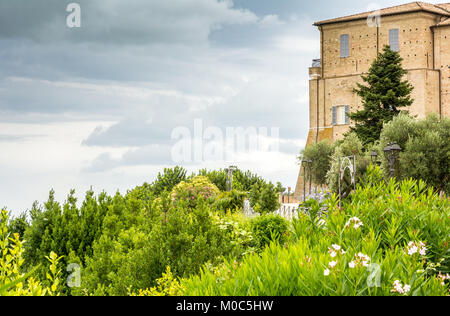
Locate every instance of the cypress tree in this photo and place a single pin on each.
(383, 95)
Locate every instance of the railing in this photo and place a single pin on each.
(287, 211)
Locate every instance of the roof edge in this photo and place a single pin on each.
(357, 17)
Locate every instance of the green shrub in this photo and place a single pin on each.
(230, 201)
(264, 198)
(425, 149)
(320, 155)
(389, 239)
(168, 180)
(13, 282)
(268, 228)
(193, 189)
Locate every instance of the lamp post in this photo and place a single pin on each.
(306, 163)
(374, 157)
(310, 175)
(230, 171)
(391, 153)
(303, 163)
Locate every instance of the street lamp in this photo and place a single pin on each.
(391, 153)
(303, 163)
(306, 163)
(374, 157)
(310, 175)
(229, 172)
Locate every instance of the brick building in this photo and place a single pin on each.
(419, 31)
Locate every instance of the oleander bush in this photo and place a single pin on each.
(389, 239)
(13, 281)
(269, 228)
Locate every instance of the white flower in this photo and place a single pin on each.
(417, 247)
(351, 264)
(406, 288)
(333, 254)
(354, 220)
(326, 272)
(332, 264)
(398, 288)
(412, 250)
(336, 247)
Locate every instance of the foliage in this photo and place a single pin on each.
(230, 201)
(384, 95)
(18, 225)
(193, 189)
(426, 149)
(320, 155)
(390, 239)
(167, 286)
(65, 229)
(180, 236)
(242, 181)
(168, 180)
(264, 198)
(12, 281)
(217, 177)
(269, 228)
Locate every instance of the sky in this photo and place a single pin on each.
(103, 105)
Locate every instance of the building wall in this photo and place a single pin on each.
(333, 85)
(442, 62)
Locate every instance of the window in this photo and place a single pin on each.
(345, 45)
(393, 40)
(340, 115)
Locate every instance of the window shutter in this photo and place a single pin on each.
(393, 40)
(345, 45)
(347, 111)
(334, 116)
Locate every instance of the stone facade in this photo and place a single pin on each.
(423, 36)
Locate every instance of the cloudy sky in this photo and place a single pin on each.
(97, 105)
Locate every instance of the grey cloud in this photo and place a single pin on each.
(147, 155)
(119, 22)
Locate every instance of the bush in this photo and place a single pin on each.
(179, 237)
(425, 149)
(320, 155)
(168, 180)
(264, 198)
(193, 189)
(230, 201)
(390, 239)
(268, 228)
(12, 281)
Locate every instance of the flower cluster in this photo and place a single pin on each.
(442, 278)
(398, 288)
(357, 223)
(417, 247)
(360, 260)
(335, 250)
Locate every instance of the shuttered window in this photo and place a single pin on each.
(393, 40)
(345, 45)
(340, 115)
